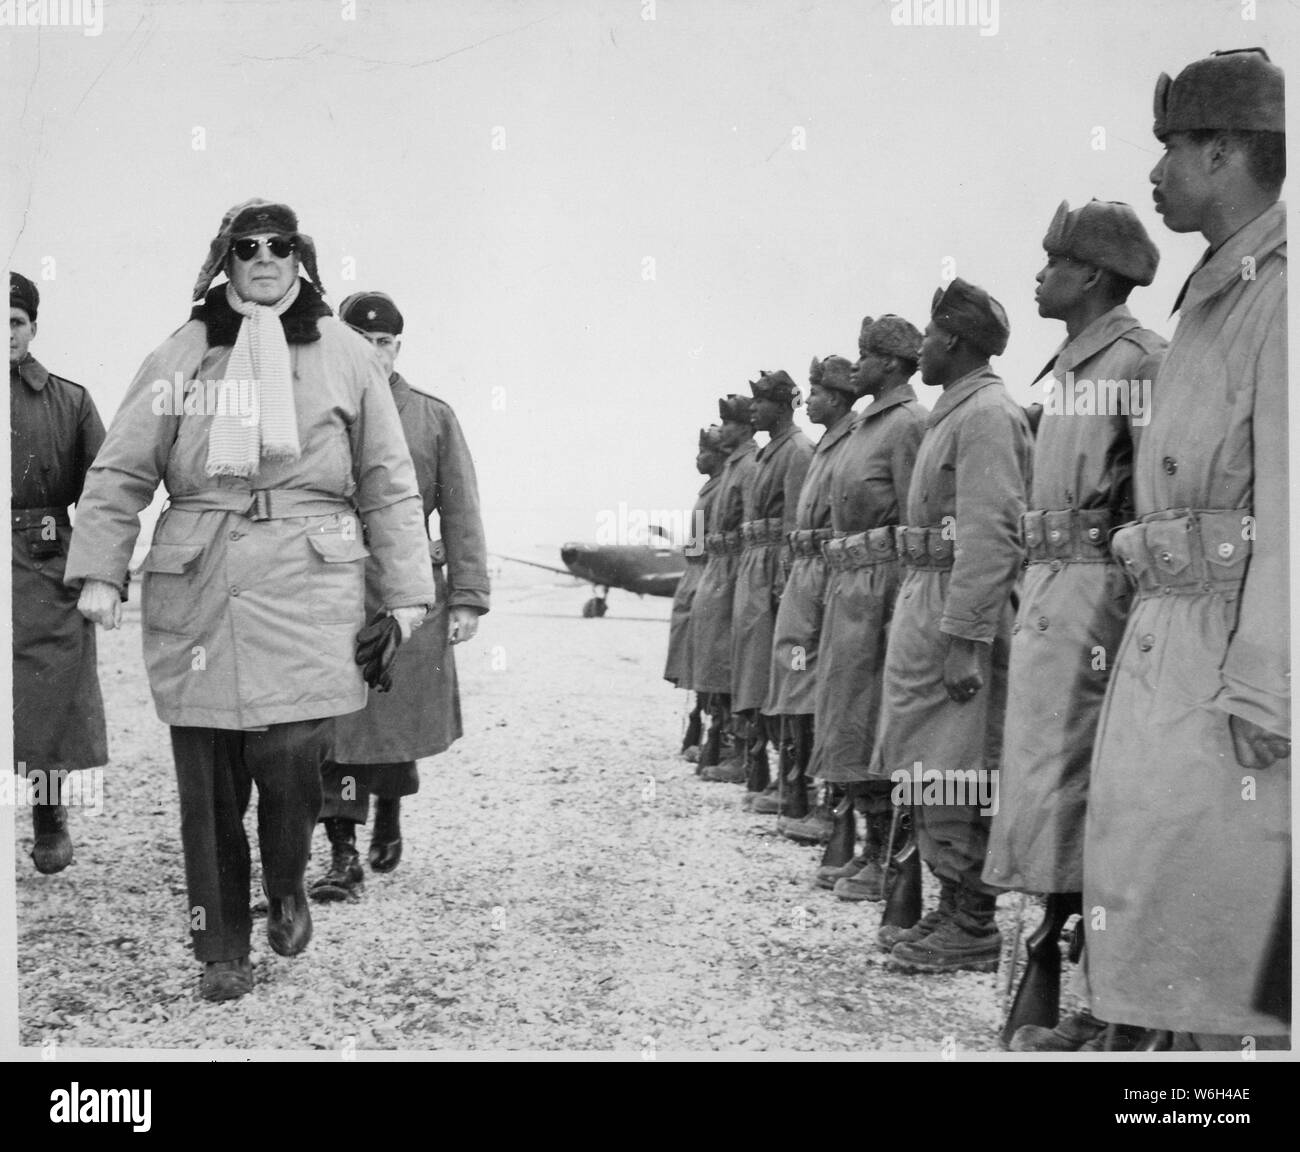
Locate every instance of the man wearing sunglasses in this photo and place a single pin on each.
(254, 585)
(375, 750)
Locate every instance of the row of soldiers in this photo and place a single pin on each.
(1077, 612)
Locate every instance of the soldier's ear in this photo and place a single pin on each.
(33, 329)
(397, 347)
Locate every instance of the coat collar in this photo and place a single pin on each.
(31, 372)
(710, 484)
(834, 434)
(961, 391)
(1101, 333)
(775, 442)
(1217, 271)
(401, 390)
(739, 453)
(299, 320)
(891, 399)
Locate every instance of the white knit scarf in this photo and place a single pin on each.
(237, 441)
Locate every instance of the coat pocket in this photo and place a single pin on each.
(171, 586)
(338, 579)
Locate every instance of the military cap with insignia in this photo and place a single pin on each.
(833, 372)
(1237, 90)
(776, 386)
(966, 310)
(371, 312)
(23, 294)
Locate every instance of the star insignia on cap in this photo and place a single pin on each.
(371, 314)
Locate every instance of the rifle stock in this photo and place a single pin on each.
(902, 879)
(839, 849)
(1038, 999)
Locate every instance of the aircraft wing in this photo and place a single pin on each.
(533, 564)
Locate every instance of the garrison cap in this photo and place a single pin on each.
(893, 336)
(1236, 90)
(833, 372)
(736, 408)
(371, 312)
(23, 294)
(966, 310)
(776, 386)
(711, 438)
(1106, 234)
(867, 321)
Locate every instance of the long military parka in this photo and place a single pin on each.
(1185, 849)
(55, 432)
(249, 622)
(773, 498)
(420, 715)
(869, 484)
(712, 607)
(796, 633)
(1074, 600)
(677, 668)
(968, 488)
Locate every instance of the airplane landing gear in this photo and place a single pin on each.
(596, 605)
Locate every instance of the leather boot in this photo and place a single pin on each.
(757, 773)
(968, 941)
(891, 935)
(868, 883)
(288, 923)
(1070, 1035)
(815, 828)
(386, 837)
(226, 979)
(52, 851)
(345, 874)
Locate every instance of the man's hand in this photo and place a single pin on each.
(100, 603)
(408, 619)
(965, 668)
(462, 625)
(1256, 747)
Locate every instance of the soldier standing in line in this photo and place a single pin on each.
(797, 632)
(677, 669)
(55, 433)
(1075, 595)
(869, 484)
(946, 665)
(1188, 833)
(711, 610)
(375, 750)
(770, 504)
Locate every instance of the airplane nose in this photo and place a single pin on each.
(569, 553)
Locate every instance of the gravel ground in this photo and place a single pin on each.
(567, 884)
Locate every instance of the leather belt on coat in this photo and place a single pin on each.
(722, 543)
(1186, 550)
(1070, 535)
(20, 518)
(861, 549)
(263, 503)
(761, 533)
(808, 541)
(928, 548)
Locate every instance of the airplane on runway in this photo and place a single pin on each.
(646, 569)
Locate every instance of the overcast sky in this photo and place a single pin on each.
(595, 222)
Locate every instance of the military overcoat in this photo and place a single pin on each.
(1185, 849)
(55, 432)
(1073, 602)
(677, 668)
(249, 621)
(420, 715)
(772, 498)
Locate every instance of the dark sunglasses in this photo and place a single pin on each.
(278, 246)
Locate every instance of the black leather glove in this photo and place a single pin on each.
(377, 645)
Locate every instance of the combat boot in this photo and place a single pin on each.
(52, 851)
(868, 882)
(967, 941)
(827, 876)
(1071, 1035)
(815, 828)
(891, 935)
(386, 836)
(345, 874)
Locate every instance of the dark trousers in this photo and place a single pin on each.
(215, 771)
(347, 788)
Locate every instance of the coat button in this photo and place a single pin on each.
(236, 535)
(1094, 533)
(1042, 623)
(1226, 549)
(1166, 556)
(1054, 534)
(1055, 566)
(1147, 642)
(234, 589)
(1169, 464)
